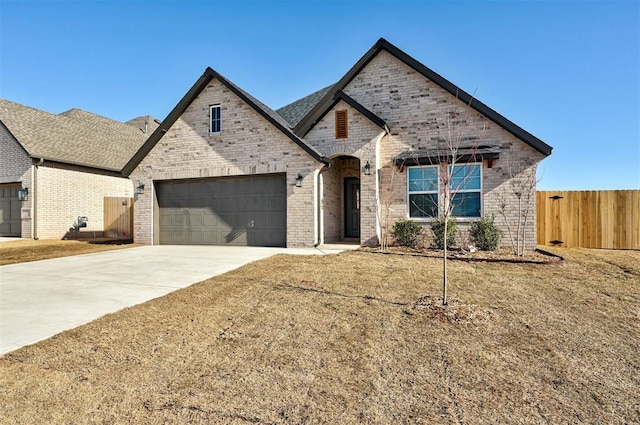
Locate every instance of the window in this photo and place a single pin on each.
(424, 190)
(216, 119)
(342, 125)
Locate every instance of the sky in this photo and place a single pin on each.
(566, 71)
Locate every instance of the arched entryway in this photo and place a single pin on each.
(342, 200)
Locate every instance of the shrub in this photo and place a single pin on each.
(485, 234)
(437, 228)
(407, 233)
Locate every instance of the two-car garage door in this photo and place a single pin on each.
(247, 210)
(10, 222)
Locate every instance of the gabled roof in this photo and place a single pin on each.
(73, 137)
(315, 112)
(209, 74)
(340, 95)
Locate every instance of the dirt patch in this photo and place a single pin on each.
(455, 312)
(328, 339)
(25, 250)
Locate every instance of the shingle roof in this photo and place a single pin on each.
(294, 112)
(73, 137)
(144, 122)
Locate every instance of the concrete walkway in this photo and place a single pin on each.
(42, 298)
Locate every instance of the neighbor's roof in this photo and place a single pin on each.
(74, 137)
(324, 99)
(209, 74)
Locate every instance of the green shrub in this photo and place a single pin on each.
(407, 233)
(485, 234)
(437, 228)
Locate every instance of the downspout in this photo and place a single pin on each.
(34, 184)
(377, 177)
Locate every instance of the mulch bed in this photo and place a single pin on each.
(501, 255)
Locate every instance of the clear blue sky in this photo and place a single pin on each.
(566, 71)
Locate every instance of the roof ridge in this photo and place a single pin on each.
(40, 111)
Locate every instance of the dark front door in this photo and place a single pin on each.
(352, 207)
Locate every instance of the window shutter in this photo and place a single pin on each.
(342, 126)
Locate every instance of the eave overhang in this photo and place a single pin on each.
(439, 156)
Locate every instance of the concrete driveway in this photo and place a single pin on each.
(42, 298)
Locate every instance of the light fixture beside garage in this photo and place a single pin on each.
(23, 193)
(299, 180)
(140, 189)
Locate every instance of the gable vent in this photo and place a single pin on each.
(342, 126)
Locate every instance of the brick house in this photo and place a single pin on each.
(63, 166)
(340, 164)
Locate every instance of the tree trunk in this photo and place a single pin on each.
(444, 264)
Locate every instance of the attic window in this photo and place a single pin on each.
(215, 119)
(342, 125)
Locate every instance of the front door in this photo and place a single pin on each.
(352, 207)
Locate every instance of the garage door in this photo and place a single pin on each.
(10, 222)
(248, 211)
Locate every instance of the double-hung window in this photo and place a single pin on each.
(425, 190)
(215, 119)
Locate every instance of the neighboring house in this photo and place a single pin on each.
(65, 164)
(340, 164)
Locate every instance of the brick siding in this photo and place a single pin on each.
(16, 168)
(420, 115)
(248, 144)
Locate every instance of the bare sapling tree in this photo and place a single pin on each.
(520, 197)
(457, 147)
(452, 179)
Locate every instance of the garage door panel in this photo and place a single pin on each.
(248, 210)
(10, 211)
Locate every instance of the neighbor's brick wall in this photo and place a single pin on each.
(15, 167)
(416, 111)
(361, 144)
(248, 144)
(66, 192)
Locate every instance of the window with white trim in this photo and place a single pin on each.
(215, 119)
(425, 191)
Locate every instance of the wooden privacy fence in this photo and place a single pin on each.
(589, 219)
(118, 218)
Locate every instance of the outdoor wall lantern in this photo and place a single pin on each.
(299, 180)
(22, 194)
(367, 169)
(140, 189)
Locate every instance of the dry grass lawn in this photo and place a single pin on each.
(337, 339)
(24, 250)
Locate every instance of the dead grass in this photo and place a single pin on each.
(24, 250)
(343, 339)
